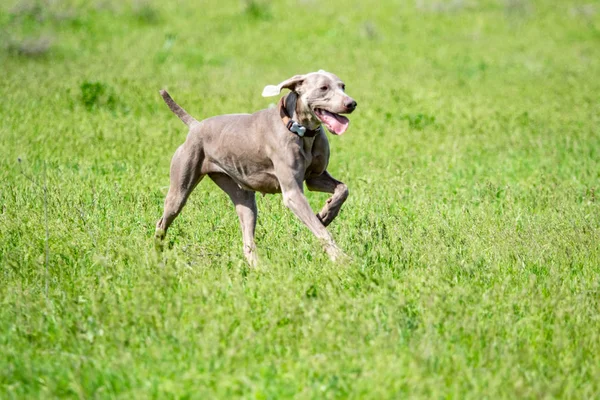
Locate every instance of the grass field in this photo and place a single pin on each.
(473, 222)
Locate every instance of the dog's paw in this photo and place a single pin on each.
(336, 254)
(159, 240)
(252, 260)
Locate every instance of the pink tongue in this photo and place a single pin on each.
(335, 123)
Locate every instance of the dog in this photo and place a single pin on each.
(273, 150)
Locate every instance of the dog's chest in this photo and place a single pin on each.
(307, 151)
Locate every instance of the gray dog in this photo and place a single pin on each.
(271, 151)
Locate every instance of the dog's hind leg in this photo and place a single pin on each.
(185, 175)
(245, 206)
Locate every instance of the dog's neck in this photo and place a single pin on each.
(300, 112)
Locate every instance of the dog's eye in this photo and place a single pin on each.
(324, 88)
(344, 88)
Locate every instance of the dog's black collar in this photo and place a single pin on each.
(294, 126)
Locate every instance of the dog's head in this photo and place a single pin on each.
(322, 95)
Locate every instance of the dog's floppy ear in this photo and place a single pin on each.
(272, 90)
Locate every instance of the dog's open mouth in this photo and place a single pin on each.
(336, 123)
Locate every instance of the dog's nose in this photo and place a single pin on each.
(350, 104)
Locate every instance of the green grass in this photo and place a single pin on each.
(473, 220)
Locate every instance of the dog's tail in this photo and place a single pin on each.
(177, 110)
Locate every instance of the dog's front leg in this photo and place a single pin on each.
(326, 183)
(294, 199)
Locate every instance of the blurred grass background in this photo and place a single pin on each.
(472, 222)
